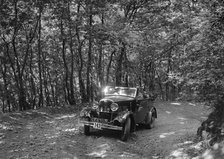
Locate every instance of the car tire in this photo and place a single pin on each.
(150, 120)
(126, 130)
(87, 129)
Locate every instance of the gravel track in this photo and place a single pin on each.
(36, 134)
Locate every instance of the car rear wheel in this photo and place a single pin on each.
(150, 120)
(126, 130)
(87, 128)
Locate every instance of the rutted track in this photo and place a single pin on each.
(37, 134)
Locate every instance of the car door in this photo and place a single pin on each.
(141, 108)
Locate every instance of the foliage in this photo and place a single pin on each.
(55, 52)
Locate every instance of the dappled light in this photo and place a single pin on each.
(128, 155)
(31, 136)
(100, 151)
(76, 72)
(203, 117)
(164, 135)
(2, 135)
(29, 113)
(192, 104)
(5, 126)
(75, 130)
(19, 114)
(42, 113)
(168, 112)
(185, 143)
(50, 136)
(13, 118)
(30, 126)
(50, 122)
(176, 103)
(179, 154)
(15, 150)
(156, 157)
(181, 118)
(66, 116)
(61, 136)
(215, 152)
(197, 146)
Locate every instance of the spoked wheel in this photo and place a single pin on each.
(87, 128)
(126, 130)
(150, 120)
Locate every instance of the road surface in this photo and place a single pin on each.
(38, 134)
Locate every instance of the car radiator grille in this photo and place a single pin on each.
(108, 116)
(104, 111)
(104, 115)
(104, 106)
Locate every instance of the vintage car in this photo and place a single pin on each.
(121, 108)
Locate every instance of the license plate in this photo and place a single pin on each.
(99, 120)
(97, 125)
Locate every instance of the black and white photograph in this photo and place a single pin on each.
(111, 79)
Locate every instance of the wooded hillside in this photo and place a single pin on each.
(64, 51)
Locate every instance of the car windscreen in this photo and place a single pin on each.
(123, 91)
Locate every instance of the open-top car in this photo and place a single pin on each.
(121, 108)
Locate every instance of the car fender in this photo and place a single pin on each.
(153, 111)
(122, 117)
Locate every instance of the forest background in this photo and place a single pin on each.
(56, 52)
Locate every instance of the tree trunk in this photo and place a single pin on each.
(119, 65)
(89, 63)
(40, 103)
(45, 81)
(109, 66)
(23, 104)
(160, 84)
(152, 77)
(32, 83)
(11, 63)
(81, 83)
(79, 62)
(52, 89)
(126, 75)
(167, 74)
(140, 81)
(6, 92)
(67, 90)
(72, 97)
(100, 68)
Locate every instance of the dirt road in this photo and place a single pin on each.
(37, 134)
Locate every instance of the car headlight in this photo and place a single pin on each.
(82, 113)
(95, 106)
(114, 107)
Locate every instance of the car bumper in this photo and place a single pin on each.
(102, 125)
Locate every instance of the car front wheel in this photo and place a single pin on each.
(150, 120)
(126, 130)
(87, 128)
